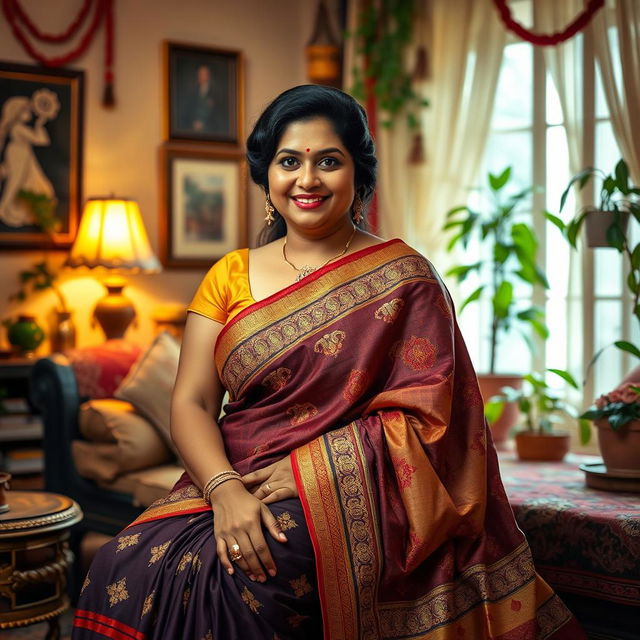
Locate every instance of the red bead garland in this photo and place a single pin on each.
(581, 21)
(16, 16)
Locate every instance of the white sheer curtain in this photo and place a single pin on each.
(465, 46)
(622, 93)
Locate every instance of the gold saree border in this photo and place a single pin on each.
(336, 494)
(249, 343)
(177, 503)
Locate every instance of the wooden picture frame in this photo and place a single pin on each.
(41, 124)
(204, 205)
(204, 94)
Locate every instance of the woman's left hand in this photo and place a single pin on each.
(273, 483)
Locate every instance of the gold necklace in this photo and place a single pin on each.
(306, 269)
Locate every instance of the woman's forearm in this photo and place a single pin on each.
(198, 440)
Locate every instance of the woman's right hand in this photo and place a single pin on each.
(238, 516)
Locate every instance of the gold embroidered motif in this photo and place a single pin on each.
(300, 586)
(301, 413)
(277, 379)
(404, 472)
(197, 563)
(185, 597)
(127, 541)
(260, 448)
(330, 343)
(148, 604)
(286, 522)
(86, 583)
(249, 599)
(417, 353)
(356, 384)
(184, 561)
(389, 311)
(117, 592)
(296, 621)
(158, 552)
(208, 636)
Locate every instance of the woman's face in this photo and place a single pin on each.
(311, 176)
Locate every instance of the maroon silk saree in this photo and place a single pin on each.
(359, 371)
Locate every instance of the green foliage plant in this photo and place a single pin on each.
(620, 406)
(620, 197)
(382, 37)
(540, 405)
(39, 276)
(514, 248)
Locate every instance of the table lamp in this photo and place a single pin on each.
(112, 236)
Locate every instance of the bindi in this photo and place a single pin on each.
(308, 150)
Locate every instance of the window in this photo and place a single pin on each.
(527, 134)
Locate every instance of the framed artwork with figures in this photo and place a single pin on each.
(41, 118)
(204, 94)
(204, 205)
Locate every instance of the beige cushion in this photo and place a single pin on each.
(133, 442)
(149, 383)
(148, 485)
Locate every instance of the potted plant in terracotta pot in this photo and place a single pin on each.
(540, 407)
(513, 251)
(605, 224)
(617, 417)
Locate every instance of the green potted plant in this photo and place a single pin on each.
(606, 223)
(513, 251)
(617, 417)
(540, 407)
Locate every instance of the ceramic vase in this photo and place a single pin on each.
(26, 334)
(550, 447)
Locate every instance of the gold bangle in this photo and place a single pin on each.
(215, 481)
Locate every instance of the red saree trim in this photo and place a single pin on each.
(145, 516)
(108, 627)
(356, 255)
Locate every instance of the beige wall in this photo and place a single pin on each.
(121, 145)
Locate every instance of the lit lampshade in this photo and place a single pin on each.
(112, 236)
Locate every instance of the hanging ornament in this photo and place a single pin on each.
(102, 10)
(581, 21)
(323, 51)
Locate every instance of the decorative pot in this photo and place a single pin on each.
(597, 223)
(542, 446)
(620, 449)
(490, 385)
(26, 334)
(63, 336)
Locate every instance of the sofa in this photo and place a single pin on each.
(106, 444)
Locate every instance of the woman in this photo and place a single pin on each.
(354, 490)
(21, 169)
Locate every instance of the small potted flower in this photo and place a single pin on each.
(540, 407)
(617, 417)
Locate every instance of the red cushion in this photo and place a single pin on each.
(99, 370)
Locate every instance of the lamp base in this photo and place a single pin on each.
(115, 312)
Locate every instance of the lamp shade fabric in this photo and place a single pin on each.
(112, 235)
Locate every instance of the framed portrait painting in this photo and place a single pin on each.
(41, 118)
(205, 207)
(204, 94)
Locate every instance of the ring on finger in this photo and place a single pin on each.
(267, 486)
(235, 553)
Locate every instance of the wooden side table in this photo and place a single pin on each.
(35, 558)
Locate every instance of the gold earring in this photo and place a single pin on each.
(268, 208)
(358, 207)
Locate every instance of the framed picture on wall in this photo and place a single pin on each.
(41, 116)
(204, 94)
(205, 206)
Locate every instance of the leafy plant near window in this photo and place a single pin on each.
(382, 36)
(620, 197)
(513, 250)
(540, 405)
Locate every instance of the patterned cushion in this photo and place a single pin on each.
(100, 369)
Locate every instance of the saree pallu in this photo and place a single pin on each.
(360, 373)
